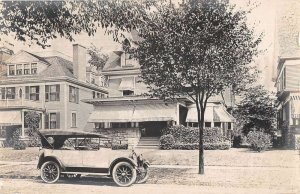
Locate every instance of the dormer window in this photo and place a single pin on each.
(33, 68)
(11, 69)
(26, 69)
(19, 69)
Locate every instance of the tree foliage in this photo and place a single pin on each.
(198, 49)
(39, 21)
(256, 111)
(97, 57)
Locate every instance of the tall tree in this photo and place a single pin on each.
(256, 110)
(36, 22)
(97, 57)
(198, 50)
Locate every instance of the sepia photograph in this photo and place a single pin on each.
(150, 96)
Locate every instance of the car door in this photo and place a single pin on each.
(96, 158)
(71, 158)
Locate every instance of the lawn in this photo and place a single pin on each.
(238, 168)
(240, 157)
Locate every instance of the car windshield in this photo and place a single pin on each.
(81, 143)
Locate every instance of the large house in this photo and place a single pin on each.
(131, 116)
(287, 81)
(50, 85)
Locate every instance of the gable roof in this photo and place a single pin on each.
(114, 63)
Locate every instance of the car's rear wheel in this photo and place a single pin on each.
(124, 174)
(50, 172)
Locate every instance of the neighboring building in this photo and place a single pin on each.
(128, 115)
(287, 48)
(5, 53)
(52, 86)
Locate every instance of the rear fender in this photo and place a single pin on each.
(43, 159)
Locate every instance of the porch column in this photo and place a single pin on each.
(22, 129)
(212, 124)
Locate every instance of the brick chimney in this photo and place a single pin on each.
(79, 62)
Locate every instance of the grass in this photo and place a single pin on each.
(238, 157)
(238, 168)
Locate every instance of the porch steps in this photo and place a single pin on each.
(148, 143)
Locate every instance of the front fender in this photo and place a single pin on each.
(122, 159)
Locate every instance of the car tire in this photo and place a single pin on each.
(50, 172)
(124, 174)
(142, 176)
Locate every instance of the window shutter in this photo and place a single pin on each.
(46, 93)
(37, 93)
(70, 94)
(57, 120)
(57, 92)
(27, 92)
(46, 120)
(77, 95)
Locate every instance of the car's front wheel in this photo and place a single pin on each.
(142, 175)
(50, 172)
(124, 174)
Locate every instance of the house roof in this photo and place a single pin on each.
(114, 63)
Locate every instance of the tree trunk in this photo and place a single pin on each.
(200, 114)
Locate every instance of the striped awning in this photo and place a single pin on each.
(212, 114)
(133, 113)
(8, 118)
(295, 108)
(127, 84)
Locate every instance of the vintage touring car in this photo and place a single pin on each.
(70, 154)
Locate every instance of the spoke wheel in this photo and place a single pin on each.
(50, 172)
(142, 175)
(124, 174)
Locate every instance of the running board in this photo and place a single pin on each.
(86, 173)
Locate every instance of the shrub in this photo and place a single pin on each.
(259, 140)
(207, 146)
(166, 142)
(19, 145)
(188, 135)
(217, 146)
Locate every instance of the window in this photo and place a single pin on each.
(52, 120)
(73, 94)
(10, 93)
(207, 124)
(33, 68)
(32, 93)
(98, 95)
(11, 69)
(73, 119)
(52, 92)
(121, 125)
(19, 69)
(26, 69)
(229, 125)
(128, 93)
(93, 80)
(94, 94)
(2, 93)
(217, 124)
(99, 126)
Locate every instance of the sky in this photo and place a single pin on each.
(262, 18)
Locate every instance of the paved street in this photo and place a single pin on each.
(10, 186)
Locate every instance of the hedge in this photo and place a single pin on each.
(207, 146)
(187, 138)
(190, 135)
